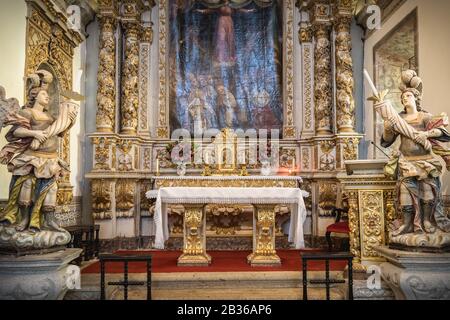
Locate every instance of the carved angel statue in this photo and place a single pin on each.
(31, 155)
(417, 167)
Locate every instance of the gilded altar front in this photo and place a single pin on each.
(226, 220)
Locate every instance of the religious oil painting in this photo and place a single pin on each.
(225, 65)
(393, 54)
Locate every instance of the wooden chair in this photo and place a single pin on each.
(126, 259)
(338, 226)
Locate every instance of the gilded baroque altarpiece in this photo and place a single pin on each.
(133, 132)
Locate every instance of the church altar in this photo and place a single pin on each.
(264, 201)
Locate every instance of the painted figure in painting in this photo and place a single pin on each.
(416, 167)
(225, 49)
(32, 156)
(226, 107)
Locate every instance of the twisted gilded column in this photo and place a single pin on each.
(130, 75)
(345, 111)
(323, 96)
(106, 93)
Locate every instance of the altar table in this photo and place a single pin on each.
(263, 200)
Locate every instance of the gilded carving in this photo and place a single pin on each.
(305, 159)
(253, 183)
(323, 79)
(162, 130)
(147, 163)
(307, 87)
(264, 252)
(305, 34)
(327, 159)
(194, 248)
(130, 76)
(327, 197)
(101, 158)
(125, 158)
(144, 75)
(344, 76)
(125, 198)
(289, 131)
(225, 219)
(390, 212)
(288, 158)
(106, 77)
(101, 199)
(353, 221)
(372, 222)
(350, 148)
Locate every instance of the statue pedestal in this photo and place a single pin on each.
(36, 277)
(416, 275)
(371, 198)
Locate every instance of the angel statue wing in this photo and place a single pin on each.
(8, 108)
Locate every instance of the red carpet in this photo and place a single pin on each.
(222, 261)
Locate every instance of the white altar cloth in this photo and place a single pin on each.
(202, 195)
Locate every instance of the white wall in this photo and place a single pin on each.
(12, 64)
(434, 61)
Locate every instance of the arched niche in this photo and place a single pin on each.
(54, 89)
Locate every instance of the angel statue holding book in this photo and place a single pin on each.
(31, 156)
(417, 166)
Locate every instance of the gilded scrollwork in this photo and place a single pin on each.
(344, 76)
(225, 219)
(353, 222)
(323, 79)
(130, 76)
(372, 222)
(102, 153)
(350, 148)
(327, 197)
(306, 164)
(307, 87)
(125, 157)
(101, 199)
(289, 131)
(288, 158)
(327, 159)
(253, 183)
(106, 78)
(144, 75)
(162, 130)
(264, 252)
(125, 198)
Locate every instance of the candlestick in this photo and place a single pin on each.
(157, 167)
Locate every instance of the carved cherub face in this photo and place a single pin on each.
(43, 98)
(408, 99)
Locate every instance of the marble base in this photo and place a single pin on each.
(36, 277)
(416, 275)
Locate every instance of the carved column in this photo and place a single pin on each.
(130, 74)
(106, 93)
(344, 73)
(144, 78)
(323, 88)
(307, 52)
